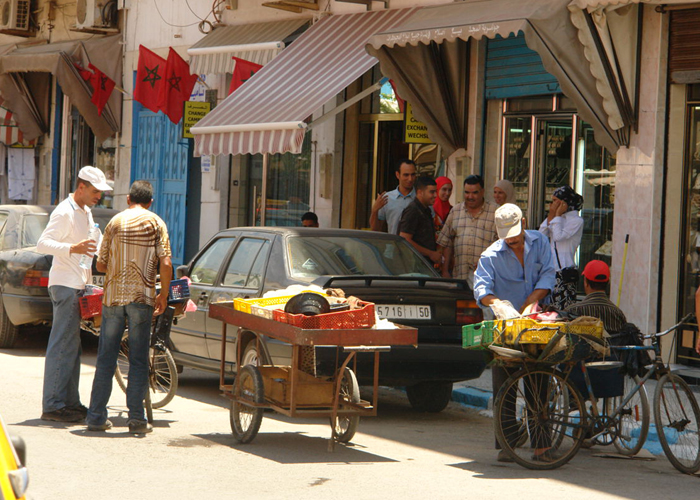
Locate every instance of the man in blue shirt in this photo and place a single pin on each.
(388, 207)
(518, 268)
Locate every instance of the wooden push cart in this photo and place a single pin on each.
(294, 392)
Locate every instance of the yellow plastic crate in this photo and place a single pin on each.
(245, 305)
(541, 332)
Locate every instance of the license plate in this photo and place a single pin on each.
(98, 281)
(398, 311)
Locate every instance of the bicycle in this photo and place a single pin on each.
(541, 419)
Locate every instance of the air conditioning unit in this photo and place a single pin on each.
(95, 14)
(14, 15)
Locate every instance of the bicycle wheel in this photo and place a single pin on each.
(539, 419)
(346, 426)
(676, 415)
(633, 423)
(162, 377)
(245, 419)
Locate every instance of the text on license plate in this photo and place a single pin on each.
(396, 311)
(98, 280)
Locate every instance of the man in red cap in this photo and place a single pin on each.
(596, 276)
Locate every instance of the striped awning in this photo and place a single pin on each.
(267, 113)
(258, 43)
(9, 130)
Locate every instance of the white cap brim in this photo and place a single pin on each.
(511, 231)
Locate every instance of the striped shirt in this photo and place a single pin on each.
(598, 305)
(468, 236)
(134, 242)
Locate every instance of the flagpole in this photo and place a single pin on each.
(203, 82)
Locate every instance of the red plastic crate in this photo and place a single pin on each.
(90, 305)
(357, 318)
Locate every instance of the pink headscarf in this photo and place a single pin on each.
(442, 208)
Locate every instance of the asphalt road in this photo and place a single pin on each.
(191, 453)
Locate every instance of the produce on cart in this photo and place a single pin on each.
(298, 390)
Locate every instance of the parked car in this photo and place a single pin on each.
(381, 268)
(24, 273)
(13, 472)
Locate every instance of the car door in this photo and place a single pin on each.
(189, 334)
(242, 277)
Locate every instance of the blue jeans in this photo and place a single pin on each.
(62, 365)
(114, 321)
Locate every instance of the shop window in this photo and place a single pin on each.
(596, 182)
(517, 157)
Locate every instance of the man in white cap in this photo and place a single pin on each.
(66, 238)
(518, 268)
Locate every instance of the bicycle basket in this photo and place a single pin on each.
(570, 347)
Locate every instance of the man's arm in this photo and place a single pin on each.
(537, 295)
(375, 222)
(51, 240)
(166, 275)
(447, 258)
(433, 255)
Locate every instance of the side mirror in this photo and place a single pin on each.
(181, 271)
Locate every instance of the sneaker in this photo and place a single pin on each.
(82, 409)
(504, 456)
(139, 427)
(99, 427)
(62, 415)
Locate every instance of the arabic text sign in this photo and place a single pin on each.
(194, 111)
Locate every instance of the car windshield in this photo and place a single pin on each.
(32, 227)
(311, 257)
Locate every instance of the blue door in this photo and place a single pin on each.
(161, 156)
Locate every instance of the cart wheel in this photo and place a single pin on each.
(245, 419)
(346, 426)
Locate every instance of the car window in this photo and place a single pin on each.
(310, 257)
(32, 227)
(102, 220)
(247, 261)
(206, 267)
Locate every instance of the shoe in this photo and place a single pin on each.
(62, 415)
(99, 427)
(82, 409)
(547, 456)
(139, 427)
(587, 443)
(504, 456)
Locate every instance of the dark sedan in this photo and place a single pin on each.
(24, 273)
(377, 267)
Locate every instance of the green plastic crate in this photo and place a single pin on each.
(478, 335)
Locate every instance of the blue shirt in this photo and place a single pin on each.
(391, 212)
(499, 272)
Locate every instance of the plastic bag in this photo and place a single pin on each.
(503, 309)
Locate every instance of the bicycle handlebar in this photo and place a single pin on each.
(666, 332)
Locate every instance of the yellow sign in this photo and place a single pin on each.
(194, 111)
(415, 132)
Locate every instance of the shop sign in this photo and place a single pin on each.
(415, 132)
(194, 111)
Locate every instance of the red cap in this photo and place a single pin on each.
(597, 270)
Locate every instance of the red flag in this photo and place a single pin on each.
(177, 86)
(400, 101)
(84, 74)
(102, 87)
(242, 72)
(149, 78)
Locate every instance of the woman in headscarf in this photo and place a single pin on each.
(503, 192)
(564, 227)
(442, 206)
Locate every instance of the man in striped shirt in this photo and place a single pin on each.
(596, 276)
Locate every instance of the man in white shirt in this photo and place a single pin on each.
(66, 238)
(388, 207)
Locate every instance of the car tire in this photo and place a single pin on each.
(8, 331)
(251, 355)
(431, 397)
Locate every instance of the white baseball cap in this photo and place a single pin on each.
(508, 221)
(94, 176)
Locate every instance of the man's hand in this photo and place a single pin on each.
(84, 247)
(381, 200)
(161, 303)
(435, 256)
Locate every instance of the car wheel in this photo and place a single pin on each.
(251, 356)
(8, 331)
(432, 397)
